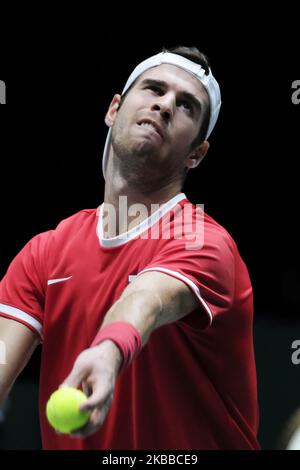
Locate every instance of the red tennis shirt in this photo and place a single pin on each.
(193, 385)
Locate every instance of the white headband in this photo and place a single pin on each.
(208, 81)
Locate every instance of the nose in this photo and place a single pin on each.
(164, 105)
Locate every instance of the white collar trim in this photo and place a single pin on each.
(138, 229)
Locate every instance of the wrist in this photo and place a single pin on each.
(109, 351)
(124, 336)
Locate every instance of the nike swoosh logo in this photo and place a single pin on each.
(54, 281)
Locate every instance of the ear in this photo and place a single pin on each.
(197, 155)
(111, 114)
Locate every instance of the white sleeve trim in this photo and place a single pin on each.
(187, 281)
(16, 313)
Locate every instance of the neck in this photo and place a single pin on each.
(124, 195)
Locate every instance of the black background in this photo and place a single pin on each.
(60, 77)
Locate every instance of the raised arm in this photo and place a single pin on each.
(154, 299)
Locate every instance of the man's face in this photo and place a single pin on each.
(159, 119)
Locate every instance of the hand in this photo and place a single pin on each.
(96, 369)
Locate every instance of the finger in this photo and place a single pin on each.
(97, 399)
(95, 422)
(87, 389)
(93, 425)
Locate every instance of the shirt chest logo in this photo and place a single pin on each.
(55, 281)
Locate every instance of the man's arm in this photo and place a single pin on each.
(154, 299)
(18, 343)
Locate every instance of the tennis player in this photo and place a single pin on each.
(144, 302)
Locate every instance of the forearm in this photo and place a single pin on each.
(164, 300)
(126, 327)
(20, 342)
(10, 371)
(141, 309)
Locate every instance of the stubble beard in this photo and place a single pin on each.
(137, 163)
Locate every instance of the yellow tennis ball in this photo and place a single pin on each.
(63, 411)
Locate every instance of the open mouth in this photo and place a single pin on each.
(147, 123)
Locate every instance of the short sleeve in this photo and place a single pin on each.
(22, 290)
(208, 272)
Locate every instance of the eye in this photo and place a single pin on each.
(156, 89)
(185, 104)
